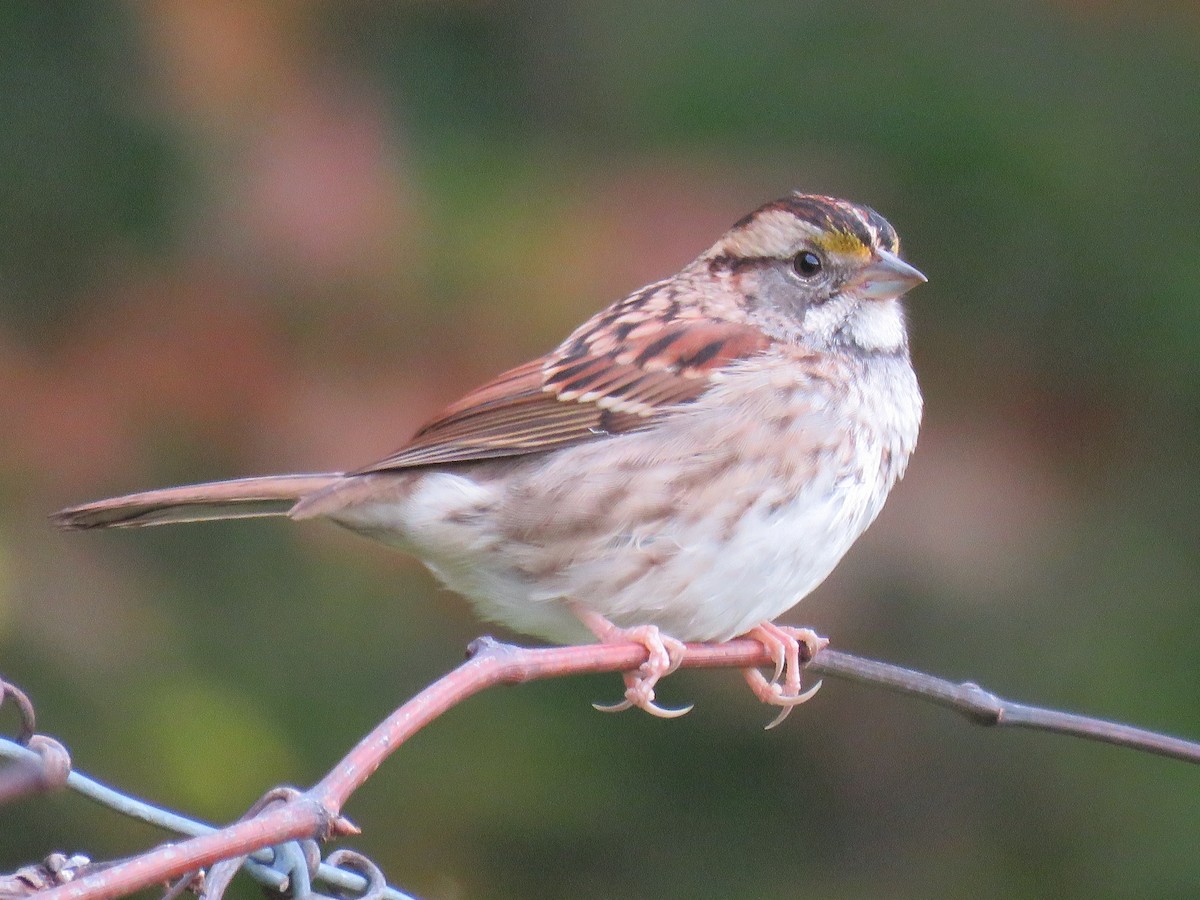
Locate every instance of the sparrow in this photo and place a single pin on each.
(685, 467)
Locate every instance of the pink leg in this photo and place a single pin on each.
(783, 643)
(665, 655)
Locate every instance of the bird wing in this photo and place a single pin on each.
(616, 374)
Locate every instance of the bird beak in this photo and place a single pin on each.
(886, 277)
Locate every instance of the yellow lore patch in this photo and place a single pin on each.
(842, 243)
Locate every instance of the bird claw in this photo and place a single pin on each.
(662, 712)
(668, 712)
(613, 707)
(788, 703)
(783, 644)
(780, 665)
(664, 656)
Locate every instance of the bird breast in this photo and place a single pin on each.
(722, 516)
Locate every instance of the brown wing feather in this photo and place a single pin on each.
(613, 376)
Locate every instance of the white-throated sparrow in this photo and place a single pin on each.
(686, 466)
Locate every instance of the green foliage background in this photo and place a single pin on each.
(240, 236)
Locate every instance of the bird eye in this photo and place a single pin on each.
(807, 264)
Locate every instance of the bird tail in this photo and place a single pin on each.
(241, 498)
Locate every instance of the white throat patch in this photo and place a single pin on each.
(874, 325)
(878, 325)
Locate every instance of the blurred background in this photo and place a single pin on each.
(240, 237)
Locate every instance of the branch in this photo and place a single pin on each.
(317, 812)
(984, 708)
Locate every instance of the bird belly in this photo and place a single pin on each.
(715, 576)
(706, 526)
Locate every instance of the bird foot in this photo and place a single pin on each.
(664, 656)
(783, 643)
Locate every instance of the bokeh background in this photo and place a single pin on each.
(240, 236)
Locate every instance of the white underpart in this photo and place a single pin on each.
(731, 552)
(874, 325)
(878, 325)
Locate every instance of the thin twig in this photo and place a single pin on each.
(316, 813)
(984, 708)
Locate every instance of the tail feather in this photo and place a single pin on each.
(241, 498)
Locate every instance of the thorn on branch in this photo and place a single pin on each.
(343, 827)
